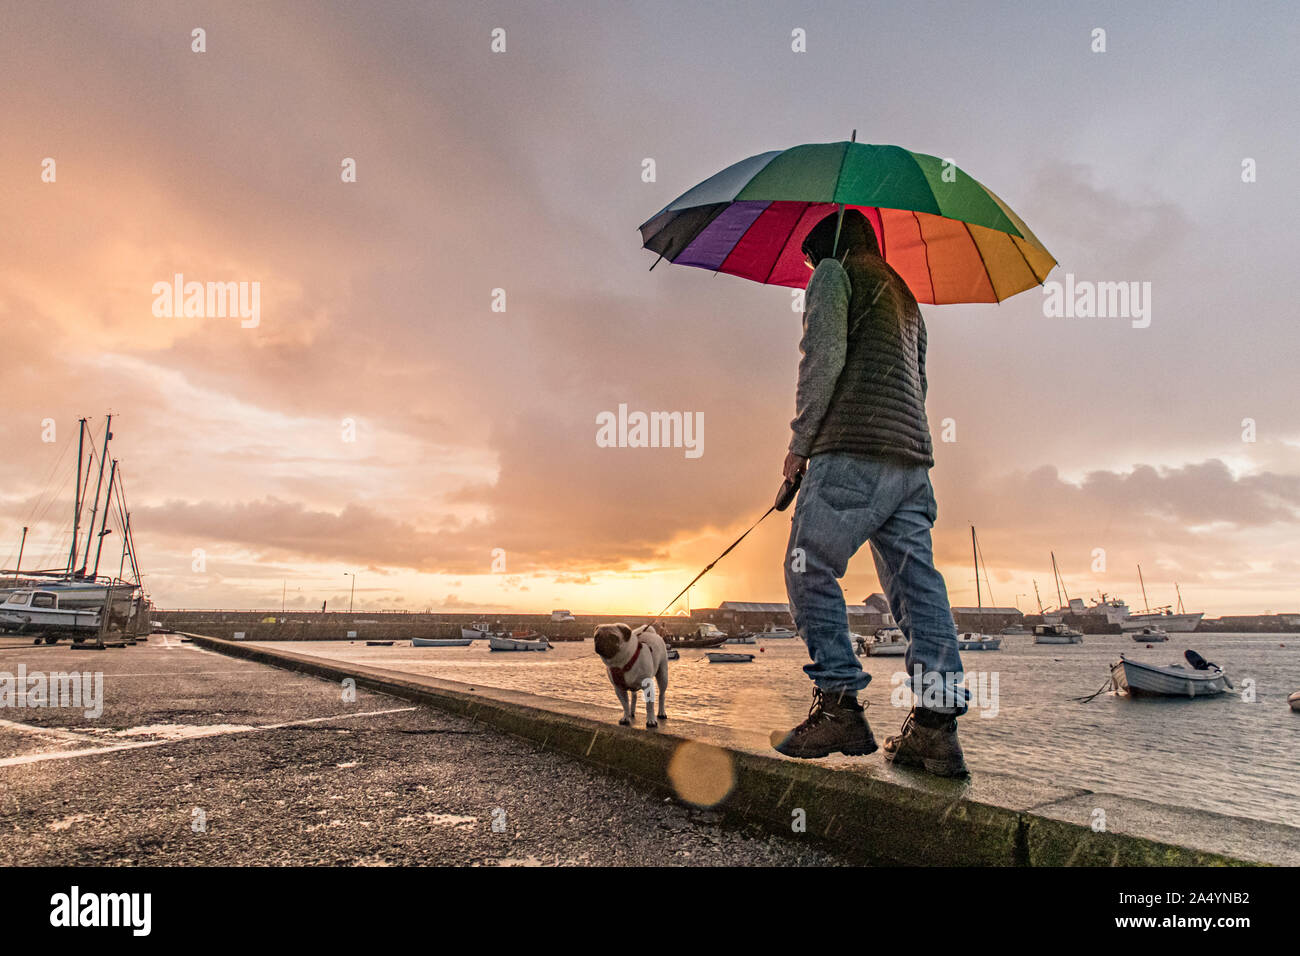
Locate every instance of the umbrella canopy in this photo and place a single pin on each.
(951, 239)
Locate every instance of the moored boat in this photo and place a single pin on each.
(1056, 634)
(379, 643)
(1015, 630)
(1294, 701)
(440, 641)
(705, 635)
(526, 642)
(887, 642)
(970, 641)
(1149, 635)
(776, 632)
(741, 639)
(719, 657)
(477, 631)
(1199, 678)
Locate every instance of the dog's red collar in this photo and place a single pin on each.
(619, 673)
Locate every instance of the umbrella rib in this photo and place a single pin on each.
(742, 236)
(1026, 259)
(781, 248)
(926, 246)
(987, 274)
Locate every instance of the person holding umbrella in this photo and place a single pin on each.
(883, 228)
(862, 442)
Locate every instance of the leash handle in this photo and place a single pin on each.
(787, 491)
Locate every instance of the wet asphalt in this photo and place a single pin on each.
(201, 759)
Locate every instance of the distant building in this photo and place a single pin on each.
(986, 619)
(871, 614)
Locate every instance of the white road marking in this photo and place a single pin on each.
(198, 731)
(55, 732)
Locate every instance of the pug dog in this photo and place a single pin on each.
(636, 660)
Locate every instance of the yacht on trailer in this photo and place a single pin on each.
(64, 594)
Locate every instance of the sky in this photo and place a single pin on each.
(382, 419)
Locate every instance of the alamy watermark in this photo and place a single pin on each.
(179, 299)
(624, 429)
(1085, 299)
(978, 690)
(58, 689)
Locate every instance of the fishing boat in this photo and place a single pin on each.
(477, 631)
(972, 640)
(440, 641)
(1149, 635)
(1056, 634)
(777, 632)
(1015, 630)
(1199, 678)
(1294, 701)
(742, 639)
(518, 641)
(719, 657)
(887, 642)
(28, 611)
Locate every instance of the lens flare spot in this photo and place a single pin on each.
(701, 773)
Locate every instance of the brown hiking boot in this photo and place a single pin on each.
(929, 741)
(835, 724)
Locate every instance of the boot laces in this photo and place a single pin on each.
(818, 712)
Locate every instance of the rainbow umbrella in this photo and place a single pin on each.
(950, 238)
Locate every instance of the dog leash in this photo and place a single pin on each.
(784, 496)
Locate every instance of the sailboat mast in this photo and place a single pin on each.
(1056, 576)
(1037, 598)
(76, 500)
(975, 559)
(103, 524)
(99, 484)
(22, 544)
(1181, 609)
(1146, 605)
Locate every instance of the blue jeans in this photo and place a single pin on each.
(845, 501)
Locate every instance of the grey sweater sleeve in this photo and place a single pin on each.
(823, 347)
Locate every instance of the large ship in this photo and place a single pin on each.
(1166, 618)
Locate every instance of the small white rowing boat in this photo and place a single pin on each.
(1294, 701)
(499, 642)
(717, 657)
(1169, 680)
(741, 639)
(440, 642)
